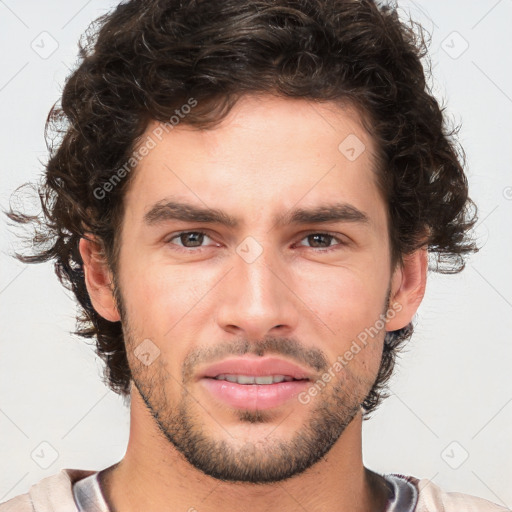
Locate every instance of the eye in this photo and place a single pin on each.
(322, 241)
(189, 239)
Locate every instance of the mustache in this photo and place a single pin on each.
(289, 347)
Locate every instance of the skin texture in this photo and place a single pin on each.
(187, 449)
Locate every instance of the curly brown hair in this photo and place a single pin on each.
(143, 60)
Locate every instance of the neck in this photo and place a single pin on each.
(153, 476)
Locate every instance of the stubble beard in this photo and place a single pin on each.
(270, 459)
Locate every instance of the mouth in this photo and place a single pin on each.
(253, 379)
(249, 383)
(255, 370)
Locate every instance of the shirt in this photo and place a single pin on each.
(75, 490)
(89, 496)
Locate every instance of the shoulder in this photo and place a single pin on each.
(432, 498)
(51, 493)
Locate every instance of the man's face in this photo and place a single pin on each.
(272, 294)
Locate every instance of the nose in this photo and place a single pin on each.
(257, 298)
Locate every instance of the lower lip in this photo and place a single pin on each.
(254, 396)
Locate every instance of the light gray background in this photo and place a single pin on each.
(452, 389)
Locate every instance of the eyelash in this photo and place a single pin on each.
(199, 248)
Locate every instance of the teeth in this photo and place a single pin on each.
(243, 379)
(250, 379)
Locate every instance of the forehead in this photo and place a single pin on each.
(268, 154)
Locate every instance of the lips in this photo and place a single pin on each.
(261, 367)
(253, 396)
(249, 383)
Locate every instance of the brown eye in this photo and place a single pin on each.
(189, 239)
(322, 241)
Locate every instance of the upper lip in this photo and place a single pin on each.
(263, 366)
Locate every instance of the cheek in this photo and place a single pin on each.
(170, 306)
(160, 307)
(349, 302)
(345, 299)
(152, 301)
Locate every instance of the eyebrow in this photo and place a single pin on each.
(167, 210)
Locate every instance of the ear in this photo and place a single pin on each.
(407, 289)
(98, 279)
